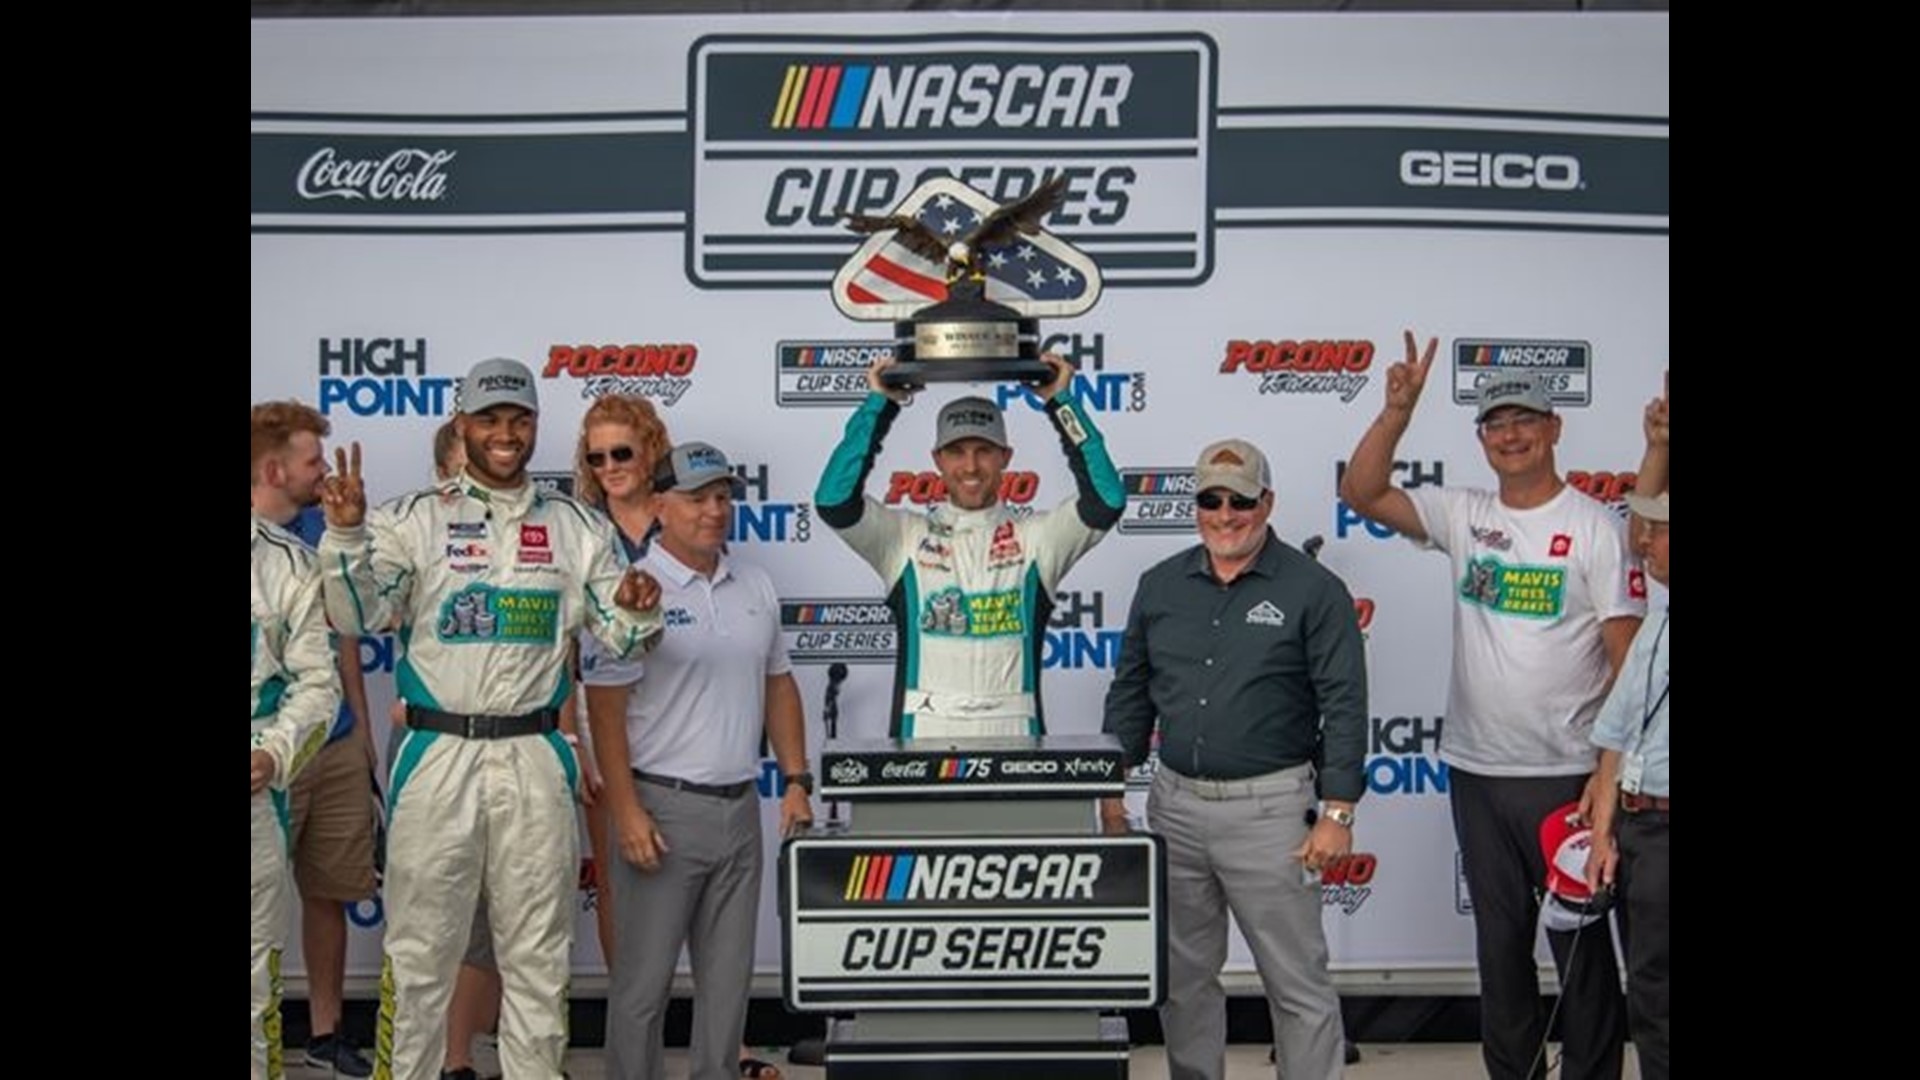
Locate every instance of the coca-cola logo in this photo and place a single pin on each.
(904, 770)
(409, 174)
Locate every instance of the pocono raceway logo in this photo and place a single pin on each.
(790, 133)
(1017, 492)
(385, 376)
(1345, 884)
(662, 373)
(1094, 388)
(1302, 367)
(1159, 501)
(756, 519)
(853, 631)
(1610, 489)
(1565, 368)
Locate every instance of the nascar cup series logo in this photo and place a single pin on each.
(1565, 368)
(1158, 501)
(856, 631)
(809, 373)
(791, 133)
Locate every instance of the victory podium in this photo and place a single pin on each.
(972, 918)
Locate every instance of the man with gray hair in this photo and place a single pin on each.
(488, 577)
(1546, 596)
(1246, 655)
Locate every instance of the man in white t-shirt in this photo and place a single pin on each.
(1547, 597)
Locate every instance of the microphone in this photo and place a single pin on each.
(830, 712)
(1312, 547)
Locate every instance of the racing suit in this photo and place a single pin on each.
(970, 590)
(295, 693)
(486, 588)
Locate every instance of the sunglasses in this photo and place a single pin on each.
(1211, 500)
(598, 458)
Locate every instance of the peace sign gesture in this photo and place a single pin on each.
(1406, 379)
(343, 496)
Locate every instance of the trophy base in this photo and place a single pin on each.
(913, 374)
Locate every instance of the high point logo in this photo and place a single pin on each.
(1565, 368)
(1302, 367)
(1077, 633)
(1403, 756)
(1406, 475)
(816, 373)
(1094, 388)
(1158, 501)
(381, 377)
(854, 631)
(758, 520)
(905, 877)
(785, 131)
(660, 372)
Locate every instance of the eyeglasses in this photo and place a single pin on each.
(1521, 421)
(598, 458)
(1211, 500)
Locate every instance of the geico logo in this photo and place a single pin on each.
(1029, 768)
(904, 770)
(1297, 356)
(932, 96)
(994, 876)
(923, 488)
(581, 361)
(803, 613)
(1465, 168)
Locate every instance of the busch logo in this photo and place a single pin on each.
(848, 771)
(405, 175)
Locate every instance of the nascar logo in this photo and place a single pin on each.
(1564, 368)
(1158, 501)
(828, 631)
(905, 876)
(790, 132)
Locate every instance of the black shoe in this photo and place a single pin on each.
(333, 1052)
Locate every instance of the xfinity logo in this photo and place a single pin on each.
(405, 175)
(1468, 169)
(1078, 766)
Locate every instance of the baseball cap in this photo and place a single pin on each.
(692, 466)
(1234, 464)
(1520, 388)
(1565, 843)
(970, 418)
(1653, 509)
(498, 381)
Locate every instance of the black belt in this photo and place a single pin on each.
(483, 727)
(718, 791)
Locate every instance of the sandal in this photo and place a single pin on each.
(752, 1068)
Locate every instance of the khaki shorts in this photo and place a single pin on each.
(333, 825)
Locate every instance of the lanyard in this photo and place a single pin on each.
(1653, 657)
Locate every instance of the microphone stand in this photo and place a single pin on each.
(813, 1050)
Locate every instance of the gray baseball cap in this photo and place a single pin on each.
(1521, 388)
(1234, 464)
(692, 466)
(970, 418)
(1653, 509)
(498, 382)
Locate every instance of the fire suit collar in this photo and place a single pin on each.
(960, 521)
(509, 504)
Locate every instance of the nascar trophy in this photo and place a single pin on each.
(965, 282)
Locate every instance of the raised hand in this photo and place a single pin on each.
(638, 591)
(1062, 377)
(900, 395)
(1655, 421)
(1406, 379)
(343, 496)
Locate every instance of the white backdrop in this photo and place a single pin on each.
(428, 192)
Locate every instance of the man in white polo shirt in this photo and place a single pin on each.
(687, 821)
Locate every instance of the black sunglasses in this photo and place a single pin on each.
(597, 458)
(1211, 500)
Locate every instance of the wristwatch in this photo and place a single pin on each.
(1339, 815)
(802, 780)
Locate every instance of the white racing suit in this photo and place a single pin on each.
(970, 589)
(295, 694)
(486, 589)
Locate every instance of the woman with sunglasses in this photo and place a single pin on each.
(621, 440)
